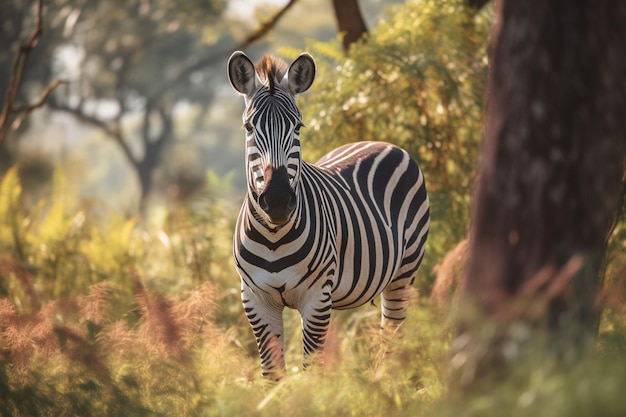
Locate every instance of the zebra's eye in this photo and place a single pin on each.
(296, 129)
(249, 128)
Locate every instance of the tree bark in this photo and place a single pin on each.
(552, 158)
(349, 21)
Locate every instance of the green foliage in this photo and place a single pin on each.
(59, 254)
(81, 333)
(534, 374)
(70, 359)
(152, 326)
(192, 243)
(417, 81)
(13, 219)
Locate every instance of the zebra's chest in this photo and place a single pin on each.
(286, 274)
(283, 287)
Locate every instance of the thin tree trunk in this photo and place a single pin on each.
(349, 21)
(153, 149)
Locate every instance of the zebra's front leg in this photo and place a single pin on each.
(266, 320)
(315, 321)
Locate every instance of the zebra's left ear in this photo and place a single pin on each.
(301, 74)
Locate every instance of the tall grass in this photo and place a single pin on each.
(121, 318)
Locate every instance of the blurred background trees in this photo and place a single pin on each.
(143, 75)
(116, 57)
(114, 80)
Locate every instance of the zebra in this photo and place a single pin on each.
(316, 237)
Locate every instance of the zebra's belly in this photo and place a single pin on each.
(351, 291)
(367, 264)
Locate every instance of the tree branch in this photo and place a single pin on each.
(212, 59)
(18, 69)
(113, 131)
(42, 98)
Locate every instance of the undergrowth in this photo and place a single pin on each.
(118, 317)
(111, 316)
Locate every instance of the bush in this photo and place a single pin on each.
(418, 80)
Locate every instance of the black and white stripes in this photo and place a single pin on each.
(318, 237)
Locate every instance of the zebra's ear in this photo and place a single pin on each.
(301, 74)
(241, 73)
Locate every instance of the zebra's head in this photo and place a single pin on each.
(272, 122)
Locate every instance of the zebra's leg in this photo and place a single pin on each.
(398, 293)
(315, 321)
(266, 320)
(395, 302)
(396, 298)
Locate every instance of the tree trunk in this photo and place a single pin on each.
(552, 158)
(349, 21)
(153, 143)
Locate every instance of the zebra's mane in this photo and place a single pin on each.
(271, 70)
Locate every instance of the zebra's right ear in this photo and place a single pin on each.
(241, 73)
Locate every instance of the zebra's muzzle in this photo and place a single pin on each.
(278, 200)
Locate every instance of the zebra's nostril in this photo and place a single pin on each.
(278, 199)
(263, 202)
(291, 204)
